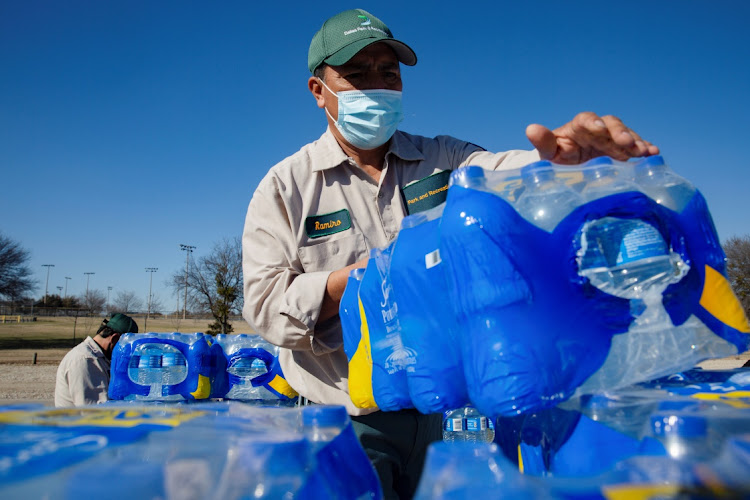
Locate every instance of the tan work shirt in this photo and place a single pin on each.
(316, 212)
(83, 376)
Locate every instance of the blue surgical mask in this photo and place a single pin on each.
(368, 118)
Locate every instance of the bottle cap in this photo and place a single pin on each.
(324, 416)
(539, 171)
(600, 160)
(604, 168)
(648, 165)
(467, 176)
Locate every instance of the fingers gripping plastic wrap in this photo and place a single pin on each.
(582, 278)
(167, 367)
(253, 371)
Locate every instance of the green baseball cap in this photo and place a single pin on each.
(122, 324)
(348, 32)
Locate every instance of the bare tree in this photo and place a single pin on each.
(157, 307)
(15, 275)
(738, 268)
(93, 302)
(126, 301)
(214, 282)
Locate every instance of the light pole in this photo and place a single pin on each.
(46, 284)
(59, 289)
(188, 249)
(109, 289)
(151, 271)
(66, 286)
(88, 276)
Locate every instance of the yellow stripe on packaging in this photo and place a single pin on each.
(718, 299)
(281, 386)
(360, 368)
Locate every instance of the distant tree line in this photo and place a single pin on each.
(214, 283)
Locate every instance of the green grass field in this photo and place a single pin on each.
(65, 332)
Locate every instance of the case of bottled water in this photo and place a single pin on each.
(574, 280)
(428, 326)
(541, 284)
(166, 367)
(378, 367)
(206, 451)
(253, 371)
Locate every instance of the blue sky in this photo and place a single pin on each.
(130, 127)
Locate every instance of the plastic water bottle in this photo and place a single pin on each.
(545, 200)
(158, 365)
(467, 425)
(467, 471)
(323, 423)
(662, 185)
(247, 369)
(686, 437)
(624, 257)
(265, 466)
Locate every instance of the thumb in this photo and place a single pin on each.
(543, 140)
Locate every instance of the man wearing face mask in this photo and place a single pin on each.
(318, 213)
(83, 374)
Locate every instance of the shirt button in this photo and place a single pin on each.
(380, 195)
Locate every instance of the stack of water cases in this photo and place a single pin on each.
(682, 436)
(175, 451)
(535, 285)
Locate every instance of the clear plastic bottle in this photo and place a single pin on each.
(623, 257)
(662, 185)
(323, 423)
(159, 365)
(467, 425)
(268, 466)
(545, 200)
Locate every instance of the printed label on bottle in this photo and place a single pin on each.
(476, 424)
(454, 424)
(641, 241)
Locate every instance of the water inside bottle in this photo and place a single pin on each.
(157, 365)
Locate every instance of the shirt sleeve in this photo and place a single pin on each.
(462, 154)
(282, 302)
(501, 161)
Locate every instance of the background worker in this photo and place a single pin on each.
(83, 374)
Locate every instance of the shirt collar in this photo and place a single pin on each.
(95, 348)
(331, 155)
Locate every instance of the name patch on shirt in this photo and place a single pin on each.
(325, 224)
(426, 193)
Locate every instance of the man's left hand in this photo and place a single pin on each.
(588, 136)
